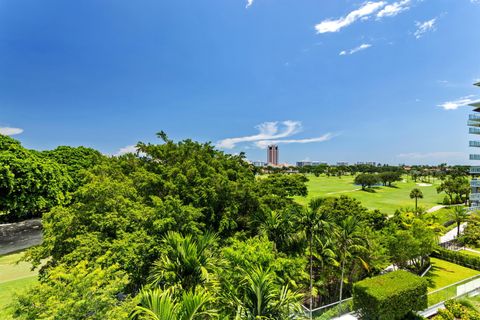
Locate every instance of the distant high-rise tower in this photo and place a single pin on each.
(272, 154)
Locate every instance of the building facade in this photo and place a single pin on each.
(474, 128)
(272, 154)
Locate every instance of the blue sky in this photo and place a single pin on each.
(339, 80)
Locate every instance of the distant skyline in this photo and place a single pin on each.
(384, 81)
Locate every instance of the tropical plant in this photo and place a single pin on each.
(156, 304)
(459, 215)
(416, 194)
(188, 262)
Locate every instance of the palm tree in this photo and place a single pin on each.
(417, 194)
(459, 215)
(350, 240)
(263, 299)
(318, 223)
(164, 305)
(188, 263)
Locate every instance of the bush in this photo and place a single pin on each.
(390, 296)
(446, 200)
(462, 259)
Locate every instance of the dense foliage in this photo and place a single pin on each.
(180, 230)
(390, 296)
(29, 184)
(469, 261)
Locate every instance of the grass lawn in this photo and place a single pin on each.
(445, 273)
(386, 199)
(13, 278)
(470, 253)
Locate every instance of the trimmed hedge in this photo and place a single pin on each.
(390, 296)
(462, 259)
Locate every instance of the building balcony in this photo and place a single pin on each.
(475, 144)
(475, 170)
(474, 130)
(475, 183)
(475, 157)
(474, 117)
(473, 123)
(474, 196)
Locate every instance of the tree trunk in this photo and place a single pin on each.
(416, 205)
(311, 273)
(458, 229)
(341, 280)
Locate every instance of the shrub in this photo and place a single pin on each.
(390, 296)
(462, 259)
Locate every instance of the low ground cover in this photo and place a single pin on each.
(386, 199)
(13, 278)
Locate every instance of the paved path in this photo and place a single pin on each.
(435, 208)
(452, 234)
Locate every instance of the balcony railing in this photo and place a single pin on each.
(474, 130)
(475, 144)
(475, 157)
(474, 117)
(475, 196)
(475, 170)
(473, 123)
(475, 183)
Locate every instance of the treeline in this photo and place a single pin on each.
(181, 230)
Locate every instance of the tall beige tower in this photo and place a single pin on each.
(272, 154)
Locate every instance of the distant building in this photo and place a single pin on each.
(359, 163)
(259, 164)
(342, 164)
(309, 163)
(371, 163)
(272, 154)
(474, 128)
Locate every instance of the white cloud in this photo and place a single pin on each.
(264, 143)
(424, 27)
(127, 149)
(249, 3)
(455, 104)
(356, 49)
(267, 131)
(7, 131)
(432, 155)
(273, 133)
(363, 13)
(395, 8)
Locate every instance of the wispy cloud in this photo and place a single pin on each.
(424, 27)
(364, 12)
(264, 143)
(267, 131)
(361, 47)
(393, 9)
(8, 131)
(455, 104)
(249, 4)
(272, 132)
(432, 155)
(127, 149)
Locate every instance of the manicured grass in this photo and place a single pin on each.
(477, 254)
(386, 199)
(13, 279)
(445, 273)
(7, 289)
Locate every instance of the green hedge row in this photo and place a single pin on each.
(390, 296)
(462, 259)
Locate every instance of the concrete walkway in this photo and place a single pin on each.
(452, 234)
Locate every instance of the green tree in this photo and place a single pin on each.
(457, 188)
(459, 215)
(366, 180)
(416, 194)
(350, 241)
(29, 185)
(80, 292)
(186, 263)
(156, 304)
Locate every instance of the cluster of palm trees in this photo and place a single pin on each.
(185, 283)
